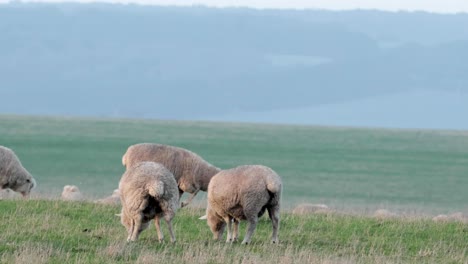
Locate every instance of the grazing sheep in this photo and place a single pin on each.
(114, 199)
(455, 217)
(7, 194)
(306, 208)
(147, 191)
(441, 218)
(72, 193)
(191, 172)
(13, 175)
(243, 193)
(384, 214)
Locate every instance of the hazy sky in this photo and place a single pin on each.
(440, 6)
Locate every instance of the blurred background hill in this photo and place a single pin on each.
(345, 68)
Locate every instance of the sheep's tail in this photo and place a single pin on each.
(273, 183)
(274, 187)
(156, 189)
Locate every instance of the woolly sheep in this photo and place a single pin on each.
(441, 218)
(13, 175)
(147, 191)
(72, 193)
(384, 214)
(7, 194)
(307, 208)
(114, 199)
(455, 217)
(191, 172)
(243, 193)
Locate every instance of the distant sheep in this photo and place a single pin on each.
(307, 208)
(455, 217)
(148, 191)
(441, 218)
(72, 193)
(384, 214)
(13, 175)
(191, 172)
(7, 194)
(243, 193)
(114, 199)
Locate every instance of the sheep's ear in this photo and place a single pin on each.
(119, 215)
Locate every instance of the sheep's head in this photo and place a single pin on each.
(23, 184)
(215, 223)
(129, 223)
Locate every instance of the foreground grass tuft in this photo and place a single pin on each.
(63, 232)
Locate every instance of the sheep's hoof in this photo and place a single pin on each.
(245, 242)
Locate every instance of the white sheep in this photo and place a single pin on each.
(72, 193)
(13, 175)
(384, 214)
(147, 191)
(243, 193)
(191, 172)
(307, 208)
(454, 217)
(441, 218)
(114, 199)
(7, 194)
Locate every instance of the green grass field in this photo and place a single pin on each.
(354, 169)
(66, 232)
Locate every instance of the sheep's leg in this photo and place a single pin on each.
(130, 231)
(273, 212)
(158, 228)
(189, 199)
(219, 234)
(180, 194)
(236, 231)
(168, 219)
(250, 228)
(228, 219)
(135, 229)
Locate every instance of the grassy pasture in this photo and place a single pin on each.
(39, 231)
(412, 170)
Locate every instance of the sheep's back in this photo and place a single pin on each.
(8, 161)
(240, 186)
(149, 178)
(176, 160)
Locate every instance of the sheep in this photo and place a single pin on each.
(307, 208)
(384, 214)
(72, 193)
(454, 217)
(7, 194)
(191, 172)
(114, 199)
(441, 218)
(147, 191)
(243, 193)
(13, 175)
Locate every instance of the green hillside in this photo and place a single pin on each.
(348, 168)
